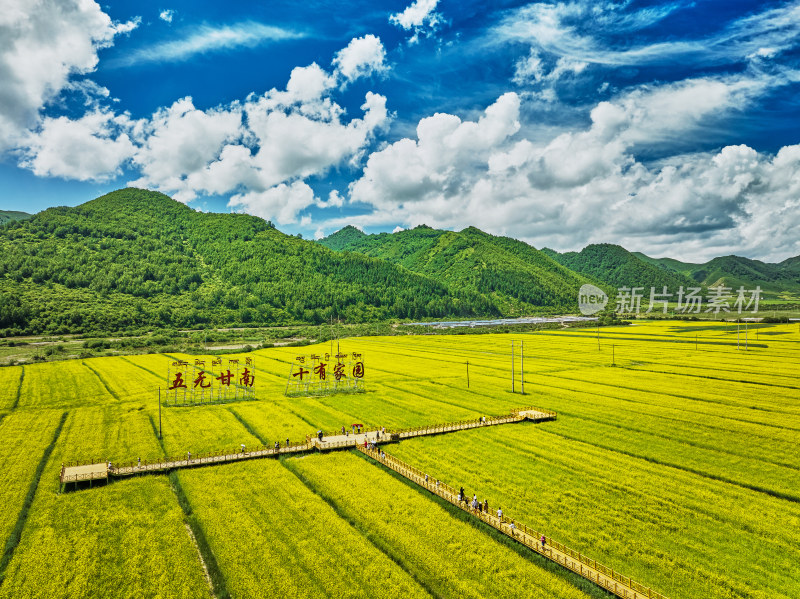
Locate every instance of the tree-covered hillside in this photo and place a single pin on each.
(136, 258)
(6, 216)
(617, 267)
(516, 276)
(736, 271)
(342, 238)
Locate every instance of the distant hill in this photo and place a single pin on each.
(135, 258)
(736, 271)
(517, 277)
(342, 238)
(6, 216)
(617, 267)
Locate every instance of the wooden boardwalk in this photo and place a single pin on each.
(76, 472)
(603, 576)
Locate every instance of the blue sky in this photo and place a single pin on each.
(667, 127)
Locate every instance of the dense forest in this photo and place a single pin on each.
(620, 268)
(7, 216)
(517, 277)
(135, 258)
(735, 272)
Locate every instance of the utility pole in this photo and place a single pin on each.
(598, 335)
(613, 359)
(467, 374)
(695, 342)
(159, 412)
(745, 335)
(522, 365)
(512, 367)
(737, 334)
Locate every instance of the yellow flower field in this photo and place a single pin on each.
(674, 459)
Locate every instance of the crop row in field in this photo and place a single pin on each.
(273, 537)
(126, 539)
(633, 473)
(686, 535)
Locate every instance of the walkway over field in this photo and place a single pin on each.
(609, 579)
(366, 442)
(101, 470)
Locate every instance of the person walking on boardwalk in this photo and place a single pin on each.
(287, 441)
(486, 505)
(500, 513)
(461, 494)
(242, 447)
(543, 540)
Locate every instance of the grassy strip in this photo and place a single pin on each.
(247, 427)
(19, 389)
(102, 380)
(214, 572)
(16, 533)
(155, 432)
(140, 366)
(457, 513)
(375, 540)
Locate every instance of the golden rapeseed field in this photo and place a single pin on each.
(674, 459)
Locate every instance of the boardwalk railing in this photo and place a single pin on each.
(90, 475)
(187, 460)
(76, 471)
(516, 415)
(603, 576)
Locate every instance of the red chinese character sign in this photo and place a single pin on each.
(209, 381)
(326, 374)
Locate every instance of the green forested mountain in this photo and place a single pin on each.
(517, 277)
(736, 271)
(617, 267)
(342, 238)
(136, 258)
(7, 216)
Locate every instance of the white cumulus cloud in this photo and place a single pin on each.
(282, 202)
(420, 17)
(93, 147)
(588, 186)
(362, 57)
(43, 44)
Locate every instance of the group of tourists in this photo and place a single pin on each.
(474, 504)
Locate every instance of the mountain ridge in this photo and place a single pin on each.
(516, 275)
